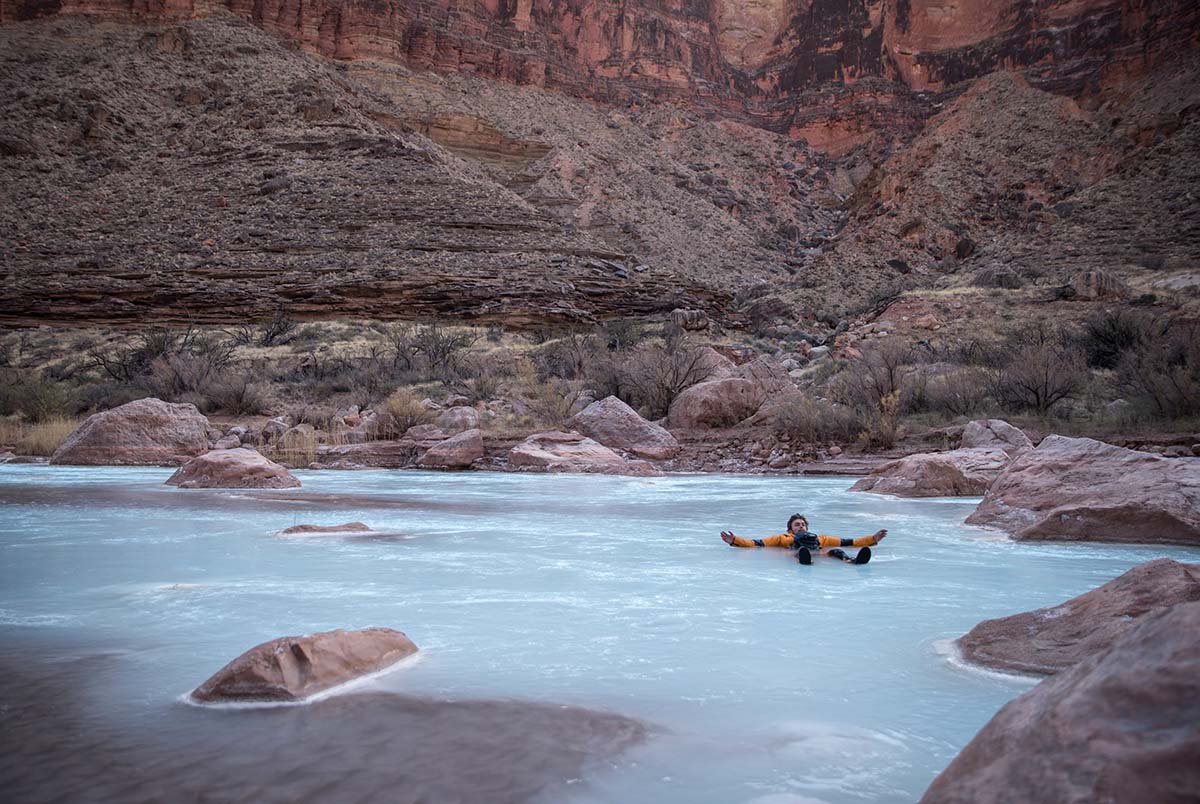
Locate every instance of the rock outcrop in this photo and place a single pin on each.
(729, 400)
(614, 424)
(1118, 726)
(458, 419)
(1052, 639)
(456, 452)
(296, 667)
(957, 473)
(556, 451)
(145, 431)
(1082, 489)
(994, 434)
(238, 468)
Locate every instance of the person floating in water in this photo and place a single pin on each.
(804, 543)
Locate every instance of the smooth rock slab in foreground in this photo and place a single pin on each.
(1081, 489)
(239, 468)
(1121, 726)
(1052, 639)
(296, 667)
(958, 473)
(142, 432)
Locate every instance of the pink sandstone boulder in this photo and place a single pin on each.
(715, 403)
(958, 473)
(1081, 489)
(994, 434)
(614, 424)
(348, 527)
(1052, 639)
(457, 419)
(145, 431)
(556, 451)
(456, 452)
(239, 468)
(295, 667)
(1120, 726)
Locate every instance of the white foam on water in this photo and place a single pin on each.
(948, 649)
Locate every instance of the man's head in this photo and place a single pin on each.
(796, 523)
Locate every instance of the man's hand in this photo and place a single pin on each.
(727, 537)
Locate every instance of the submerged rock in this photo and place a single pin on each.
(238, 468)
(348, 527)
(1120, 726)
(142, 432)
(457, 452)
(1081, 489)
(293, 668)
(958, 473)
(1052, 639)
(614, 424)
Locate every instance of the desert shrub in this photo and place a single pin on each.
(566, 358)
(276, 330)
(441, 347)
(36, 397)
(320, 416)
(550, 401)
(881, 424)
(961, 392)
(1106, 335)
(238, 394)
(652, 375)
(297, 447)
(1040, 375)
(131, 363)
(814, 420)
(400, 411)
(622, 334)
(1162, 375)
(879, 374)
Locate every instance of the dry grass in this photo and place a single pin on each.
(36, 439)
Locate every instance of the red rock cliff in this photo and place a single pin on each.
(786, 64)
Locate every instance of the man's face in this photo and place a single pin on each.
(799, 525)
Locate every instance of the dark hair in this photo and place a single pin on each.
(794, 517)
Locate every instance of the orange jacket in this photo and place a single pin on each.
(812, 541)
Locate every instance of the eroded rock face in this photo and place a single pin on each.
(238, 468)
(1052, 639)
(614, 424)
(1082, 489)
(145, 431)
(556, 451)
(994, 434)
(1119, 726)
(295, 667)
(715, 403)
(457, 452)
(958, 473)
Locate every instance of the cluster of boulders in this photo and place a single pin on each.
(1119, 717)
(1063, 489)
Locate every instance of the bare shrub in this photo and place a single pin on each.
(814, 420)
(401, 410)
(1163, 375)
(276, 330)
(442, 347)
(880, 373)
(1039, 376)
(1107, 334)
(651, 376)
(566, 358)
(881, 425)
(551, 401)
(238, 394)
(34, 396)
(961, 392)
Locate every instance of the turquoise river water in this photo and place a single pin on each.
(583, 638)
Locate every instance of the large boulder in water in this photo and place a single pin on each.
(1052, 639)
(958, 473)
(1120, 726)
(238, 468)
(556, 451)
(1081, 489)
(456, 452)
(994, 434)
(145, 431)
(293, 668)
(614, 424)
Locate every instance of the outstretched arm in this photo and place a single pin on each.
(782, 540)
(862, 541)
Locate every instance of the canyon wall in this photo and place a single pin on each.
(833, 71)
